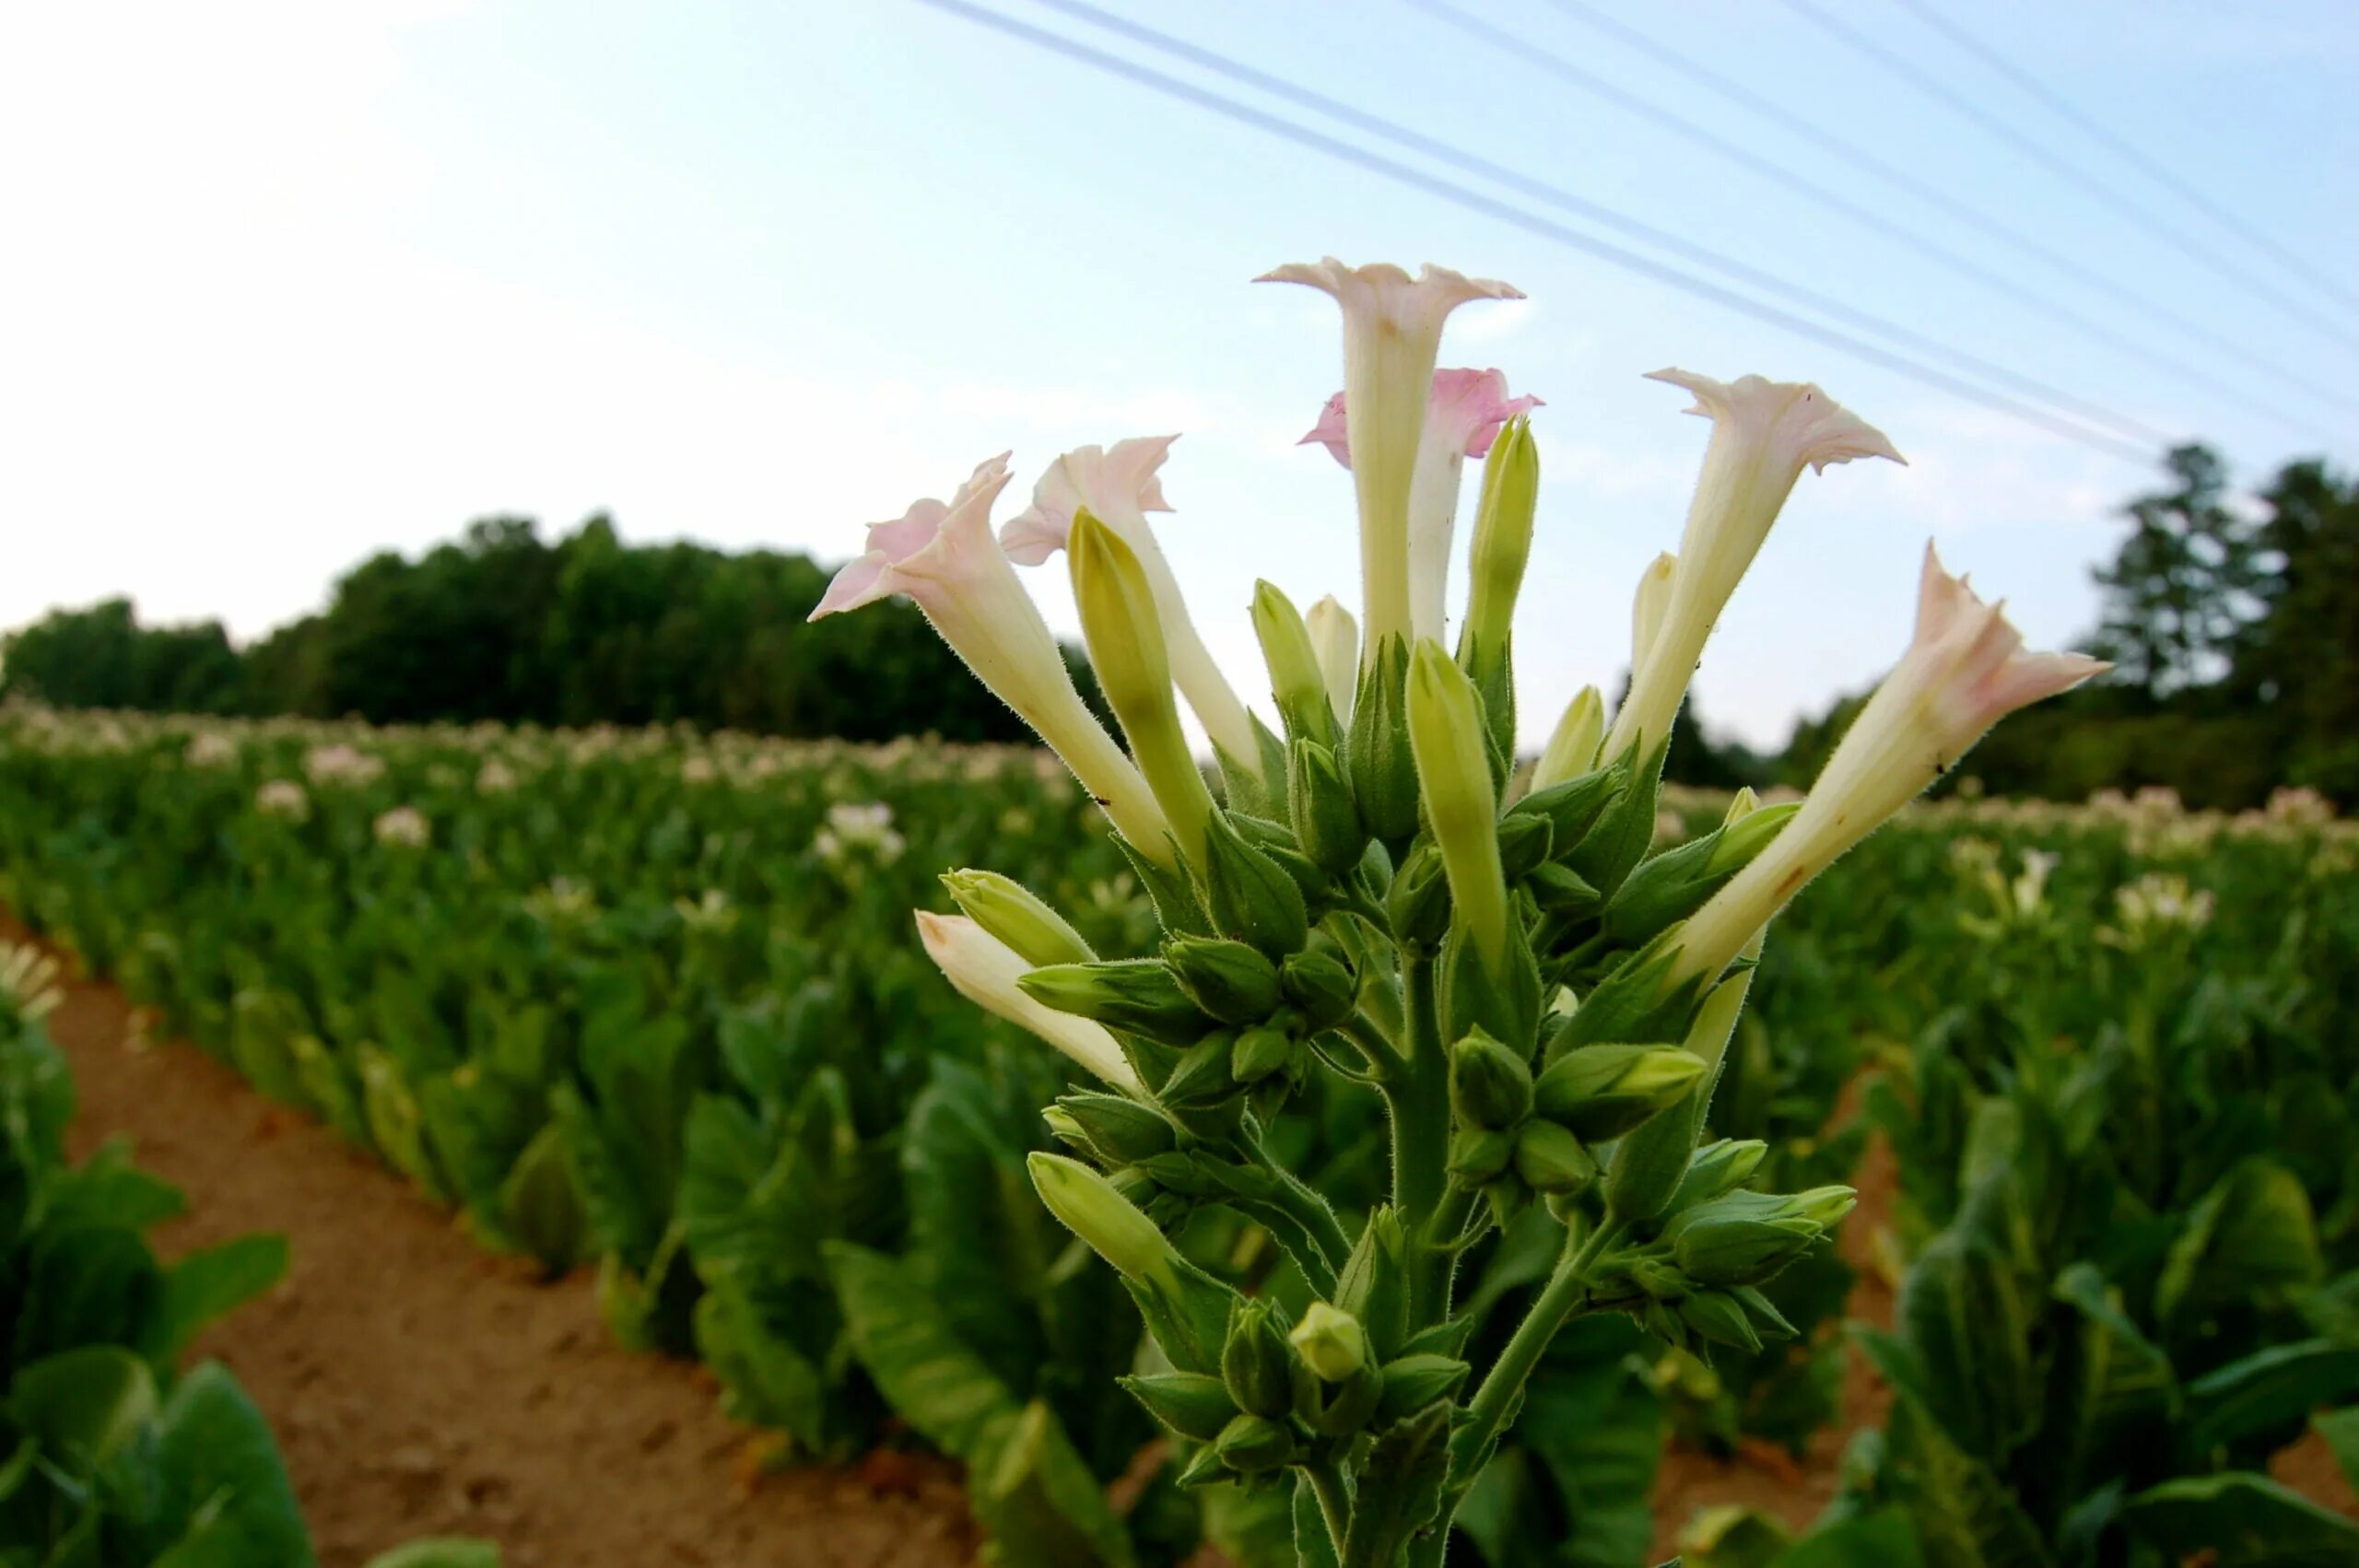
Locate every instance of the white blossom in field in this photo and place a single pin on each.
(494, 778)
(2156, 906)
(341, 763)
(404, 826)
(698, 769)
(29, 979)
(283, 798)
(210, 748)
(863, 827)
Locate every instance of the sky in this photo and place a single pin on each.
(289, 283)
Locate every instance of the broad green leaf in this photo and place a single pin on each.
(223, 1482)
(936, 1383)
(2252, 1232)
(208, 1284)
(2268, 1393)
(1038, 1500)
(1880, 1539)
(2245, 1520)
(451, 1552)
(86, 1403)
(2341, 1430)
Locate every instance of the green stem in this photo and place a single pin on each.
(1306, 1209)
(1558, 1300)
(1433, 1263)
(1418, 1097)
(1334, 1500)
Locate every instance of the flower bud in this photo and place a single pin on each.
(1825, 1206)
(1717, 1317)
(1742, 1252)
(1089, 1207)
(1335, 639)
(1231, 980)
(990, 974)
(1412, 1382)
(1524, 841)
(1674, 884)
(1203, 1077)
(1571, 807)
(1490, 1086)
(1373, 1284)
(1647, 605)
(1250, 895)
(1418, 902)
(1140, 995)
(1319, 983)
(1551, 1160)
(1571, 750)
(1330, 1342)
(1319, 799)
(1653, 1164)
(1717, 1168)
(1126, 647)
(1262, 1050)
(1295, 680)
(1255, 1363)
(1383, 771)
(1118, 1131)
(1477, 1154)
(1601, 1091)
(1192, 1405)
(1017, 915)
(1462, 802)
(1251, 1446)
(1560, 890)
(1502, 546)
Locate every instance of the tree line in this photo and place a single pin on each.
(502, 624)
(2233, 624)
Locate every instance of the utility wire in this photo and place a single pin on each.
(1864, 217)
(1524, 219)
(1555, 195)
(2152, 169)
(2108, 284)
(2037, 152)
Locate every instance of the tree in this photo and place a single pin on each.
(2185, 584)
(2300, 658)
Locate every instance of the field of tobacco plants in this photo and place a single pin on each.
(652, 1006)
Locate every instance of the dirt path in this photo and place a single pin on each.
(423, 1386)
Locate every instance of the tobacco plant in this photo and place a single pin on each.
(1540, 1005)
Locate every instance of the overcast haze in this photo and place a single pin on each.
(287, 285)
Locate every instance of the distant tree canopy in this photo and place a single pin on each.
(2235, 635)
(502, 624)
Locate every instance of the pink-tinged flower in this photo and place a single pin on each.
(1764, 434)
(943, 558)
(985, 969)
(1966, 669)
(1392, 326)
(1120, 484)
(1464, 413)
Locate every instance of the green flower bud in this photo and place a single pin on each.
(1251, 1446)
(1066, 1129)
(1255, 1363)
(1418, 903)
(1018, 917)
(1725, 1252)
(1477, 1155)
(1087, 1205)
(1231, 980)
(1294, 677)
(1189, 1403)
(1383, 773)
(1412, 1382)
(1572, 806)
(1330, 1342)
(1674, 884)
(1250, 895)
(1717, 1168)
(1658, 1281)
(1262, 1050)
(1117, 1130)
(1523, 844)
(1126, 647)
(1551, 1160)
(1140, 995)
(1502, 543)
(1318, 797)
(1559, 890)
(1204, 1074)
(1490, 1086)
(1825, 1206)
(1718, 1317)
(1572, 746)
(1451, 750)
(1652, 1165)
(1373, 1286)
(1321, 985)
(1202, 1470)
(1601, 1091)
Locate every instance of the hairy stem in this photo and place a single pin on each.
(1557, 1301)
(1418, 1098)
(1335, 1499)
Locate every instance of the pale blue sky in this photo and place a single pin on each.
(290, 283)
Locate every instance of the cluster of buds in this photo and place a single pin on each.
(1376, 889)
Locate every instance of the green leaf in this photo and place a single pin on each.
(224, 1487)
(209, 1283)
(1038, 1501)
(447, 1552)
(936, 1383)
(86, 1401)
(2246, 1520)
(2252, 1232)
(2268, 1394)
(2341, 1430)
(1880, 1539)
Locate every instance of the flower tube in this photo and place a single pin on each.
(985, 969)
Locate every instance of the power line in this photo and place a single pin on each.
(2106, 284)
(2152, 169)
(2031, 147)
(1530, 222)
(1473, 163)
(1864, 217)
